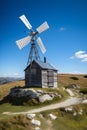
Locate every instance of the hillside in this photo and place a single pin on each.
(66, 79)
(75, 119)
(63, 80)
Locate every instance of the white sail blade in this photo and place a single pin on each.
(23, 42)
(42, 27)
(25, 21)
(41, 45)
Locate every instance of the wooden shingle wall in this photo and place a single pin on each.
(49, 78)
(35, 76)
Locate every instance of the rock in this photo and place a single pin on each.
(31, 116)
(39, 91)
(84, 101)
(80, 112)
(45, 97)
(41, 116)
(21, 92)
(36, 122)
(32, 90)
(30, 94)
(75, 114)
(70, 92)
(75, 86)
(68, 109)
(63, 88)
(53, 117)
(37, 128)
(52, 95)
(59, 96)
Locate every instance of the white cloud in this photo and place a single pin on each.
(17, 75)
(80, 55)
(62, 29)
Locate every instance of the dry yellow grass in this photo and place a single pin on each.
(64, 80)
(5, 88)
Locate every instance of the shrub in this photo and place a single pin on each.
(85, 76)
(74, 78)
(71, 86)
(84, 91)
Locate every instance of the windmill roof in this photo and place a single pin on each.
(44, 65)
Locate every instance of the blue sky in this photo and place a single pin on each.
(65, 40)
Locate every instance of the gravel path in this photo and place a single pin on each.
(67, 102)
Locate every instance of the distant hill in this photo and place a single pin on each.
(4, 80)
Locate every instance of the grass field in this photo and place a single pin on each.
(66, 79)
(64, 121)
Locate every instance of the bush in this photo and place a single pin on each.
(71, 86)
(84, 91)
(74, 78)
(85, 76)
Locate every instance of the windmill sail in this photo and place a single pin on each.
(23, 42)
(42, 27)
(25, 21)
(41, 45)
(32, 38)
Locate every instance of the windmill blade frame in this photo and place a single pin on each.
(23, 42)
(42, 27)
(25, 21)
(41, 45)
(32, 38)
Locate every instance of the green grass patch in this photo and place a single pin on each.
(84, 91)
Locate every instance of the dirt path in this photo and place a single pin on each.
(68, 102)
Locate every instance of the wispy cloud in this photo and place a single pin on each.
(62, 29)
(80, 55)
(16, 75)
(76, 72)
